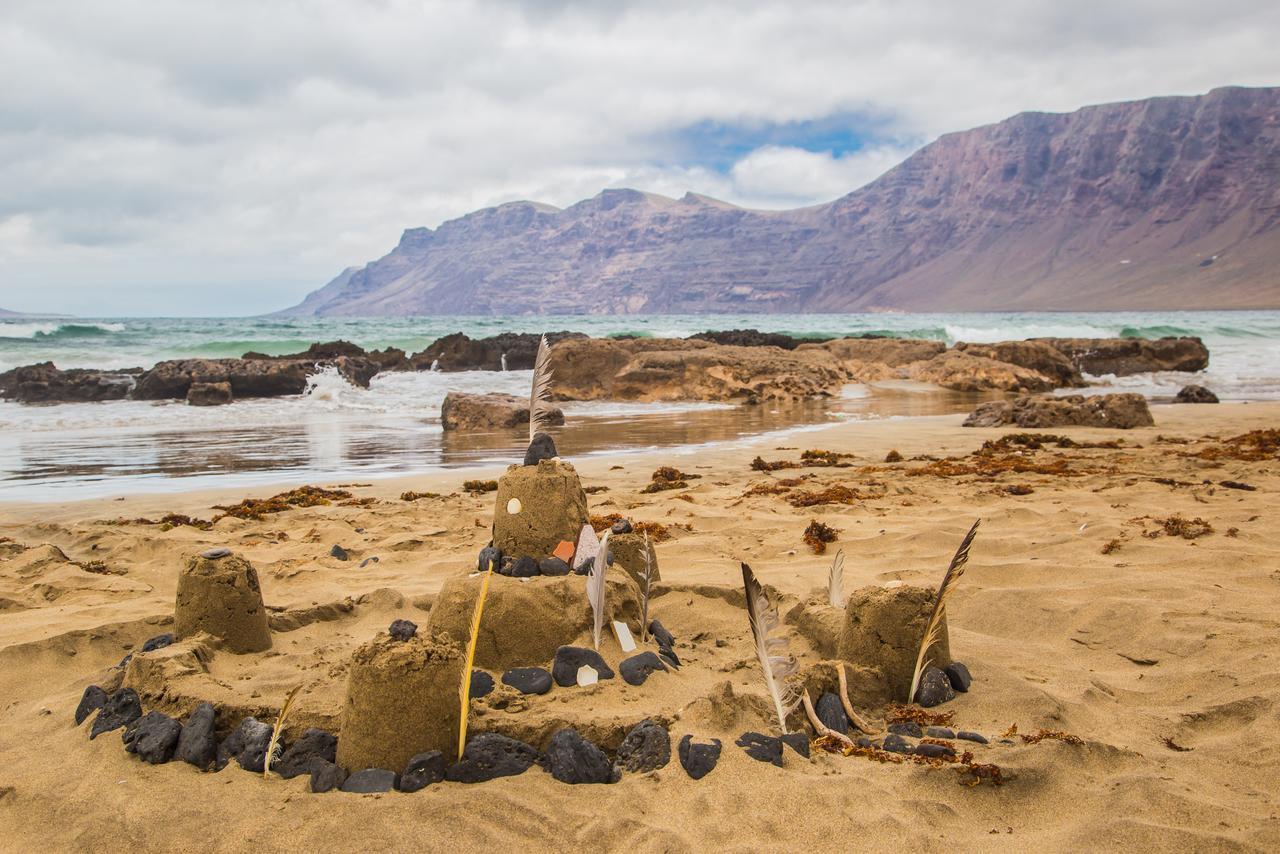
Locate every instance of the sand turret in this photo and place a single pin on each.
(219, 594)
(537, 507)
(883, 627)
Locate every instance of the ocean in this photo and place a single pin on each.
(336, 431)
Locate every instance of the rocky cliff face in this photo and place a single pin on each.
(1163, 203)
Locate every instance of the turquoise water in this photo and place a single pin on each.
(338, 432)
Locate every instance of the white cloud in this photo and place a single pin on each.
(225, 156)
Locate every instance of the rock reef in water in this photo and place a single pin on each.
(1120, 411)
(474, 412)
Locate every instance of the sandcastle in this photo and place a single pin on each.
(402, 700)
(219, 594)
(537, 507)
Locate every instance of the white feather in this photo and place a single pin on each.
(595, 589)
(835, 581)
(540, 393)
(776, 663)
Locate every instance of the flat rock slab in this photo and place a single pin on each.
(370, 781)
(326, 776)
(564, 670)
(699, 760)
(761, 747)
(528, 680)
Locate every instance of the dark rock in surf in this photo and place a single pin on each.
(1196, 394)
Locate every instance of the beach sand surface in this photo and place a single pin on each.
(1081, 612)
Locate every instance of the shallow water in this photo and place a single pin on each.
(340, 432)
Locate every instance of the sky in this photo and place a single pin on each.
(225, 157)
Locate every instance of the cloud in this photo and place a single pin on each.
(226, 156)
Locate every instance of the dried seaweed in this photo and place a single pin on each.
(896, 714)
(477, 487)
(818, 458)
(761, 464)
(1254, 446)
(973, 773)
(657, 531)
(358, 502)
(303, 496)
(170, 521)
(1052, 734)
(1174, 746)
(1111, 546)
(1178, 526)
(893, 457)
(817, 535)
(417, 496)
(838, 494)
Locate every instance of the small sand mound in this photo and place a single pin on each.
(552, 509)
(525, 622)
(883, 628)
(221, 596)
(628, 553)
(402, 700)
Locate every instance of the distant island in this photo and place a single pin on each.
(1165, 203)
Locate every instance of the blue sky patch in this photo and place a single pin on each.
(718, 145)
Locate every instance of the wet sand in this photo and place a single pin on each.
(1079, 613)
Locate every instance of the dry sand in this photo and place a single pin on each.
(1155, 638)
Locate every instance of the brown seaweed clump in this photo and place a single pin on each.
(667, 477)
(820, 458)
(303, 496)
(1254, 446)
(658, 532)
(402, 700)
(817, 535)
(417, 496)
(1179, 526)
(893, 456)
(169, 521)
(761, 464)
(479, 487)
(897, 713)
(838, 494)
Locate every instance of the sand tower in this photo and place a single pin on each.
(549, 507)
(402, 700)
(219, 594)
(883, 627)
(628, 552)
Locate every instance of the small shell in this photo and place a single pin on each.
(513, 506)
(587, 675)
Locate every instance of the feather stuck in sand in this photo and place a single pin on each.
(933, 628)
(776, 663)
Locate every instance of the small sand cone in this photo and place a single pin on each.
(402, 700)
(628, 553)
(883, 628)
(221, 596)
(551, 508)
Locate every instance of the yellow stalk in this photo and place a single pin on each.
(277, 730)
(464, 690)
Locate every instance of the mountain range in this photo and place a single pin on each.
(1163, 203)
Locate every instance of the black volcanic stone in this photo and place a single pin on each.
(972, 736)
(157, 642)
(895, 743)
(121, 709)
(622, 526)
(761, 747)
(569, 658)
(91, 700)
(543, 447)
(572, 759)
(636, 669)
(481, 684)
(910, 728)
(646, 748)
(528, 680)
(402, 630)
(370, 781)
(1195, 394)
(339, 552)
(422, 770)
(698, 760)
(368, 561)
(325, 776)
(797, 741)
(197, 744)
(661, 636)
(670, 656)
(553, 566)
(934, 751)
(958, 675)
(247, 745)
(934, 689)
(938, 732)
(831, 712)
(154, 736)
(525, 567)
(312, 744)
(491, 755)
(489, 554)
